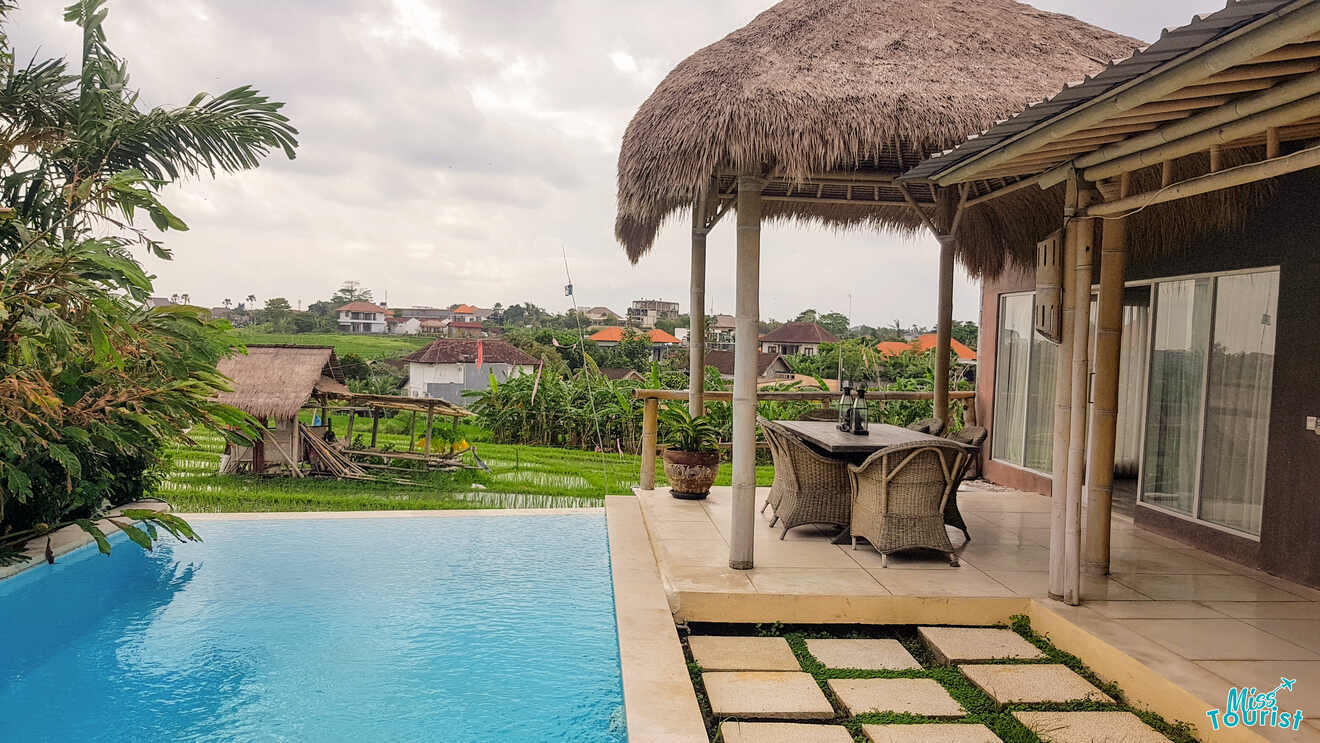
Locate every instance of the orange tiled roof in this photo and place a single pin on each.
(924, 344)
(363, 307)
(614, 334)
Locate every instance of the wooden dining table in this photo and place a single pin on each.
(850, 447)
(826, 436)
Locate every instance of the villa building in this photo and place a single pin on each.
(645, 313)
(614, 335)
(363, 317)
(449, 366)
(796, 338)
(923, 344)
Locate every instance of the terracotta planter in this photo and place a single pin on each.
(690, 473)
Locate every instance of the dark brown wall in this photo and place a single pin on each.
(1286, 234)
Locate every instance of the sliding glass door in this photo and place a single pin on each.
(1023, 432)
(1207, 414)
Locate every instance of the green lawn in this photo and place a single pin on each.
(519, 477)
(366, 346)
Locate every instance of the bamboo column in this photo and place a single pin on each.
(1104, 413)
(375, 425)
(746, 341)
(1063, 399)
(944, 218)
(1072, 546)
(697, 312)
(650, 433)
(430, 416)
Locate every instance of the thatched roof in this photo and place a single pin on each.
(800, 332)
(275, 381)
(814, 86)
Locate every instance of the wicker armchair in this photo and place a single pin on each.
(932, 426)
(808, 488)
(899, 495)
(971, 438)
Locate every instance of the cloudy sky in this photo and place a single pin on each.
(451, 149)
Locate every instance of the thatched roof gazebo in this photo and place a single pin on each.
(811, 112)
(276, 381)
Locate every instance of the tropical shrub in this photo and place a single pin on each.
(93, 382)
(683, 432)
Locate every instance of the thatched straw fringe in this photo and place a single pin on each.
(1003, 232)
(275, 381)
(815, 85)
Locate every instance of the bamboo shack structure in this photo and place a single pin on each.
(1183, 187)
(811, 112)
(274, 383)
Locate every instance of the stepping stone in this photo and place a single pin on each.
(783, 732)
(952, 645)
(1032, 684)
(766, 694)
(1089, 727)
(743, 653)
(915, 696)
(870, 655)
(929, 733)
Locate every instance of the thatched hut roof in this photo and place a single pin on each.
(819, 86)
(275, 381)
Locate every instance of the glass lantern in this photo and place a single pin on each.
(859, 414)
(845, 409)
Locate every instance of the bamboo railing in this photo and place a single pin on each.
(652, 398)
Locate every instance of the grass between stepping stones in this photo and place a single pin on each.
(981, 709)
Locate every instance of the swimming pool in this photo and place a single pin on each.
(454, 628)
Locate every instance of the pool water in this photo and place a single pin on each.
(469, 628)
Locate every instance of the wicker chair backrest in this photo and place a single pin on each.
(932, 426)
(973, 436)
(915, 479)
(820, 414)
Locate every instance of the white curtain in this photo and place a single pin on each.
(1177, 380)
(1012, 367)
(1133, 357)
(1237, 417)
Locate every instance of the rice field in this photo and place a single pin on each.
(518, 477)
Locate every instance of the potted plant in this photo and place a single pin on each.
(692, 457)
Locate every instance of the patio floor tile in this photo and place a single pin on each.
(801, 581)
(1266, 674)
(1037, 583)
(1267, 609)
(1153, 610)
(1161, 562)
(953, 645)
(1032, 683)
(1089, 727)
(715, 653)
(1005, 556)
(708, 578)
(871, 655)
(915, 696)
(766, 694)
(782, 732)
(1204, 588)
(1304, 632)
(960, 581)
(1217, 639)
(943, 733)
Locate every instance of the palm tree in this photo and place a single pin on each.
(251, 299)
(227, 303)
(187, 299)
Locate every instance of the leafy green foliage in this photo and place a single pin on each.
(92, 381)
(681, 431)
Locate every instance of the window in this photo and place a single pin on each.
(1024, 388)
(1207, 420)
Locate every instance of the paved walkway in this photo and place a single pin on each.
(1201, 624)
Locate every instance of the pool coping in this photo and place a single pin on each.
(659, 699)
(69, 538)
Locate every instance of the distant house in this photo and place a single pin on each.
(796, 338)
(720, 332)
(613, 336)
(770, 367)
(602, 315)
(621, 372)
(646, 313)
(923, 344)
(433, 327)
(422, 313)
(159, 302)
(362, 317)
(447, 367)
